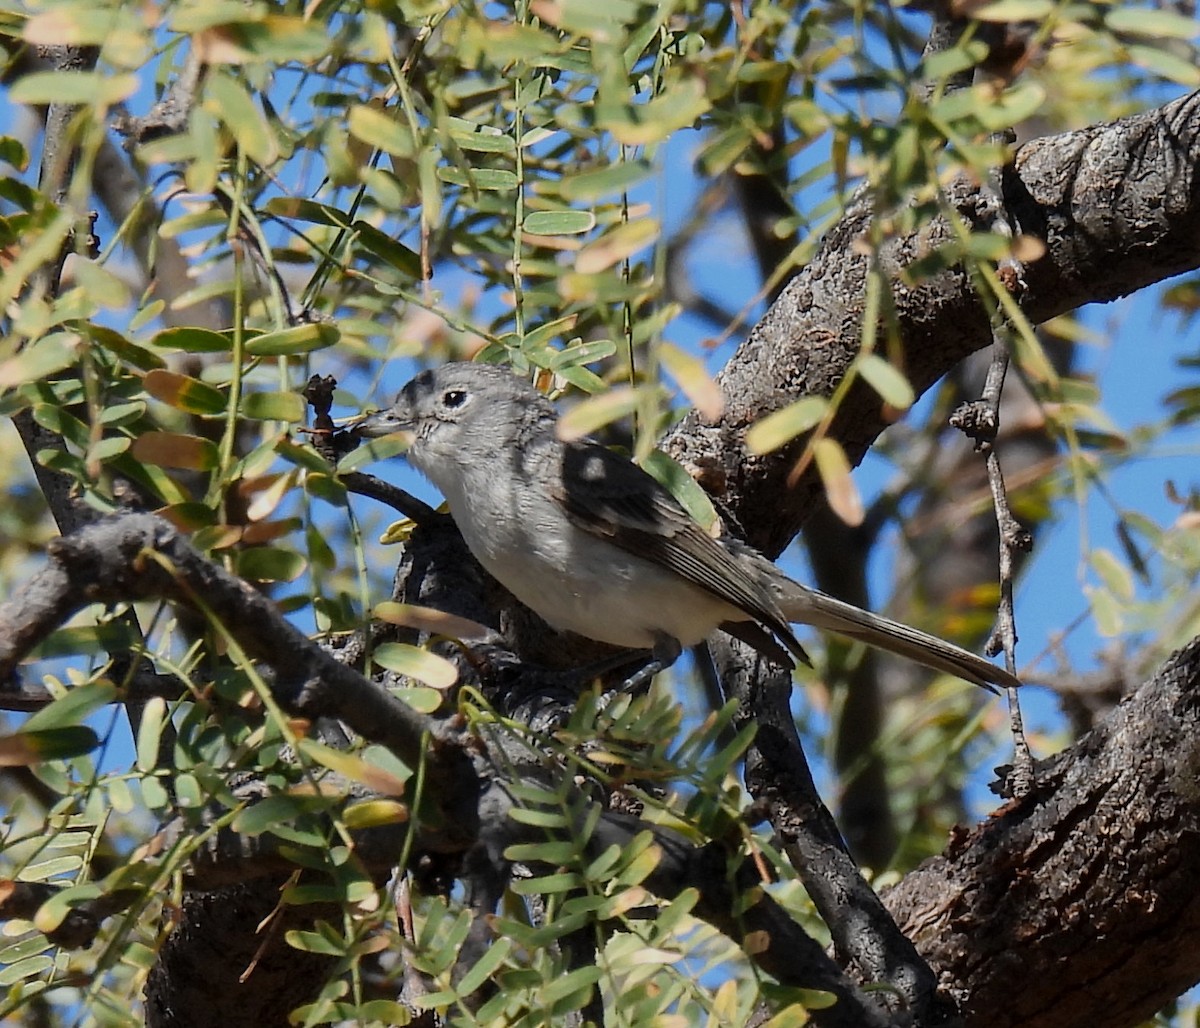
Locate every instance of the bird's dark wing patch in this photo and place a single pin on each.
(615, 499)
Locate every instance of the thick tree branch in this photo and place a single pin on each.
(128, 557)
(1078, 906)
(1118, 207)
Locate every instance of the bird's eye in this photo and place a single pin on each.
(454, 398)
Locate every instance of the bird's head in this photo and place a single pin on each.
(458, 408)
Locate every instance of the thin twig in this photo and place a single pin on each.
(333, 445)
(980, 421)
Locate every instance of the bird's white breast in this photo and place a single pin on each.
(574, 580)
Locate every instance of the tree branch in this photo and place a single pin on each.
(1092, 875)
(1118, 207)
(128, 557)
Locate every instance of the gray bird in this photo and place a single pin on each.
(595, 545)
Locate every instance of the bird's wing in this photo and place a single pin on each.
(615, 499)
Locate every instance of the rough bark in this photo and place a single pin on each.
(227, 963)
(1118, 209)
(1080, 905)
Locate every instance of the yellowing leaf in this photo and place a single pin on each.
(889, 382)
(50, 354)
(692, 377)
(595, 412)
(351, 766)
(621, 242)
(416, 663)
(175, 450)
(371, 813)
(840, 490)
(229, 101)
(381, 130)
(426, 619)
(183, 392)
(782, 426)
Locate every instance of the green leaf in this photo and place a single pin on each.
(154, 795)
(102, 287)
(229, 101)
(24, 748)
(119, 346)
(288, 342)
(154, 717)
(307, 210)
(302, 456)
(1015, 105)
(537, 339)
(1113, 573)
(486, 966)
(192, 340)
(190, 516)
(392, 251)
(615, 178)
(478, 178)
(581, 353)
(28, 970)
(12, 151)
(1145, 21)
(888, 381)
(782, 426)
(184, 392)
(597, 411)
(1106, 611)
(73, 706)
(44, 870)
(480, 138)
(382, 131)
(51, 913)
(417, 663)
(1169, 66)
(575, 986)
(275, 37)
(315, 942)
(269, 564)
(40, 360)
(275, 811)
(273, 406)
(539, 818)
(564, 881)
(559, 223)
(73, 87)
(674, 477)
(1014, 10)
(679, 106)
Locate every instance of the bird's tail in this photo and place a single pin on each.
(808, 606)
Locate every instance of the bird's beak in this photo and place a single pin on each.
(381, 423)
